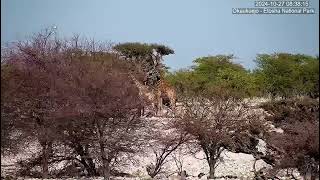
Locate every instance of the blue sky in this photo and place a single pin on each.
(193, 28)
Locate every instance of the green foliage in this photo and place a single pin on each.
(184, 81)
(211, 64)
(287, 75)
(142, 50)
(162, 49)
(214, 75)
(279, 74)
(134, 49)
(146, 58)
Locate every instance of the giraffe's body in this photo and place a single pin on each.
(157, 94)
(164, 90)
(144, 92)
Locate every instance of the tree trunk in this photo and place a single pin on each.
(106, 169)
(105, 163)
(45, 159)
(212, 163)
(212, 154)
(91, 168)
(105, 159)
(46, 145)
(85, 160)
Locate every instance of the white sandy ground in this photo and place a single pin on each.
(234, 164)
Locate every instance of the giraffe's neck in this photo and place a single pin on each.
(143, 89)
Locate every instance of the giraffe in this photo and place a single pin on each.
(156, 94)
(163, 89)
(160, 89)
(144, 92)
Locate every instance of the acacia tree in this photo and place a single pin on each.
(30, 91)
(29, 104)
(146, 58)
(109, 104)
(7, 129)
(287, 75)
(217, 124)
(211, 74)
(163, 144)
(51, 85)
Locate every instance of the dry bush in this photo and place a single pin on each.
(217, 124)
(163, 139)
(298, 145)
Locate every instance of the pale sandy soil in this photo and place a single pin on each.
(235, 164)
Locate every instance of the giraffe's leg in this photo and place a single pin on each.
(154, 108)
(160, 105)
(158, 99)
(157, 107)
(173, 104)
(142, 110)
